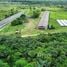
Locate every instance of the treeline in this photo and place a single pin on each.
(45, 2)
(44, 50)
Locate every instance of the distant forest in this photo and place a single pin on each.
(46, 2)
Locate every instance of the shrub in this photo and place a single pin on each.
(21, 63)
(19, 21)
(32, 64)
(16, 22)
(2, 64)
(43, 9)
(36, 13)
(32, 53)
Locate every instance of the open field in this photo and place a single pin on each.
(30, 28)
(57, 15)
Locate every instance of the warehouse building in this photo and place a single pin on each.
(43, 24)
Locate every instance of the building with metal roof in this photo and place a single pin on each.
(43, 24)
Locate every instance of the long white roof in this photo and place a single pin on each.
(44, 19)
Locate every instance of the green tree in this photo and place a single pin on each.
(36, 13)
(21, 63)
(32, 64)
(2, 64)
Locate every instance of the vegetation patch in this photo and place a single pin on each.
(35, 13)
(48, 50)
(22, 19)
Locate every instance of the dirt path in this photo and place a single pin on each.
(29, 35)
(29, 27)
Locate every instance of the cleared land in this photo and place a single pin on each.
(54, 15)
(31, 27)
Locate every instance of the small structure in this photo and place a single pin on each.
(17, 32)
(43, 24)
(62, 22)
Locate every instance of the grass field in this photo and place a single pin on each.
(58, 15)
(3, 13)
(5, 10)
(30, 28)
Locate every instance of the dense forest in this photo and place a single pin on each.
(46, 2)
(44, 50)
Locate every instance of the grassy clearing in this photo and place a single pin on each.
(5, 10)
(54, 15)
(30, 28)
(57, 15)
(11, 29)
(3, 13)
